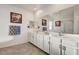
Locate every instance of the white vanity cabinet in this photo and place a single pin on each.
(37, 39)
(55, 45)
(69, 46)
(46, 43)
(42, 42)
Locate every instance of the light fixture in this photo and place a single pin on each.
(35, 9)
(39, 12)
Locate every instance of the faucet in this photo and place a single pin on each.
(60, 34)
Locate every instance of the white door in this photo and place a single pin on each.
(41, 42)
(55, 45)
(46, 43)
(69, 47)
(35, 38)
(38, 40)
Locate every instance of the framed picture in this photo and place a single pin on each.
(15, 17)
(44, 28)
(14, 30)
(44, 22)
(57, 23)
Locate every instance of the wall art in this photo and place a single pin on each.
(57, 23)
(44, 29)
(15, 17)
(44, 22)
(14, 30)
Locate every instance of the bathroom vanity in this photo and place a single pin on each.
(54, 44)
(62, 35)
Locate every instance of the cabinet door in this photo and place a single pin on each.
(69, 50)
(35, 38)
(54, 45)
(70, 47)
(41, 42)
(38, 40)
(46, 43)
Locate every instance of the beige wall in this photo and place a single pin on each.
(5, 38)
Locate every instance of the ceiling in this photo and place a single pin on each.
(43, 9)
(33, 7)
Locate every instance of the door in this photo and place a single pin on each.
(35, 39)
(69, 47)
(41, 41)
(38, 40)
(55, 45)
(46, 43)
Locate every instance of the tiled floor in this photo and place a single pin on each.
(23, 49)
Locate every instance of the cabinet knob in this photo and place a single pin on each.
(64, 48)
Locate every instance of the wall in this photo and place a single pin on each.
(53, 9)
(76, 19)
(5, 39)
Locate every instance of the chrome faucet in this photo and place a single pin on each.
(60, 34)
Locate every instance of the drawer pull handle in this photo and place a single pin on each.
(64, 48)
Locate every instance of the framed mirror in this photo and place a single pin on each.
(65, 21)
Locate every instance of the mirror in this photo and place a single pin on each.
(65, 21)
(69, 20)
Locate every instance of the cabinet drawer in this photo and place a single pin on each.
(69, 43)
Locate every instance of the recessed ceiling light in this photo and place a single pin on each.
(35, 9)
(39, 12)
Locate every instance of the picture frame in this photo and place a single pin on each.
(44, 22)
(44, 29)
(14, 30)
(57, 23)
(15, 17)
